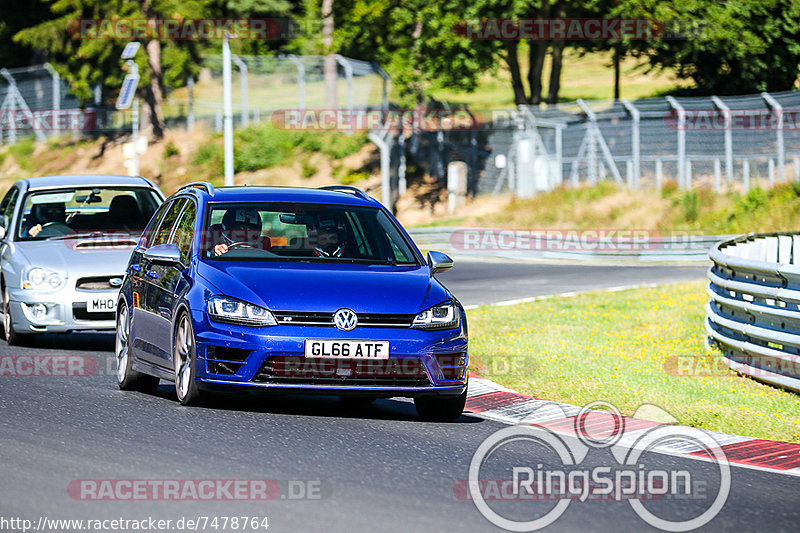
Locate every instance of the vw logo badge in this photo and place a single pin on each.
(115, 282)
(345, 319)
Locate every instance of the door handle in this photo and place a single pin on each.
(135, 268)
(152, 274)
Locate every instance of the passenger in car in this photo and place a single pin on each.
(125, 214)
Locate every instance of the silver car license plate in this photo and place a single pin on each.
(102, 304)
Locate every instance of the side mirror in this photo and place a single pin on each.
(439, 262)
(163, 254)
(2, 232)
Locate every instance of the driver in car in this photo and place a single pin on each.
(44, 214)
(240, 227)
(328, 238)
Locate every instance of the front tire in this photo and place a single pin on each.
(127, 378)
(440, 408)
(13, 338)
(183, 354)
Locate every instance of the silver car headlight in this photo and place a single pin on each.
(41, 279)
(233, 311)
(442, 316)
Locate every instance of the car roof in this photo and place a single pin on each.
(285, 194)
(85, 180)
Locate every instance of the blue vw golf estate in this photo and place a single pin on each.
(289, 289)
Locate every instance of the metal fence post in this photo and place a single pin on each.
(771, 171)
(591, 155)
(688, 176)
(796, 168)
(719, 104)
(659, 173)
(56, 81)
(243, 71)
(190, 116)
(681, 140)
(385, 86)
(227, 110)
(402, 166)
(778, 110)
(595, 140)
(348, 76)
(386, 184)
(301, 81)
(15, 101)
(746, 174)
(635, 140)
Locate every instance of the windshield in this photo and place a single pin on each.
(63, 212)
(303, 232)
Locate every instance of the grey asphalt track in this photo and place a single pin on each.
(378, 467)
(488, 281)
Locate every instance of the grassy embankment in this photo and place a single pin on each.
(628, 348)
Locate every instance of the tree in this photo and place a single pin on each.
(425, 44)
(330, 69)
(415, 40)
(85, 61)
(87, 58)
(737, 47)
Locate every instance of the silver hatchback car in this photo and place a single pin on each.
(64, 244)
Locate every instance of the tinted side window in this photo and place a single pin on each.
(147, 237)
(8, 203)
(184, 231)
(164, 230)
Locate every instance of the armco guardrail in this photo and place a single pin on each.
(591, 244)
(753, 315)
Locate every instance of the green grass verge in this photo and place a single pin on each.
(622, 347)
(263, 146)
(607, 205)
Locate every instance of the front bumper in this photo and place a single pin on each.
(272, 358)
(66, 310)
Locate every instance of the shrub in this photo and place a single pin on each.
(170, 150)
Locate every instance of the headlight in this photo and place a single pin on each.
(442, 316)
(39, 278)
(232, 311)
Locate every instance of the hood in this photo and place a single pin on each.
(77, 261)
(325, 288)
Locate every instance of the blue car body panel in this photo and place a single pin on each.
(233, 356)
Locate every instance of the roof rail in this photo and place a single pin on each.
(200, 184)
(347, 188)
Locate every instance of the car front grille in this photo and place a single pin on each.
(97, 283)
(225, 360)
(367, 320)
(452, 365)
(406, 372)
